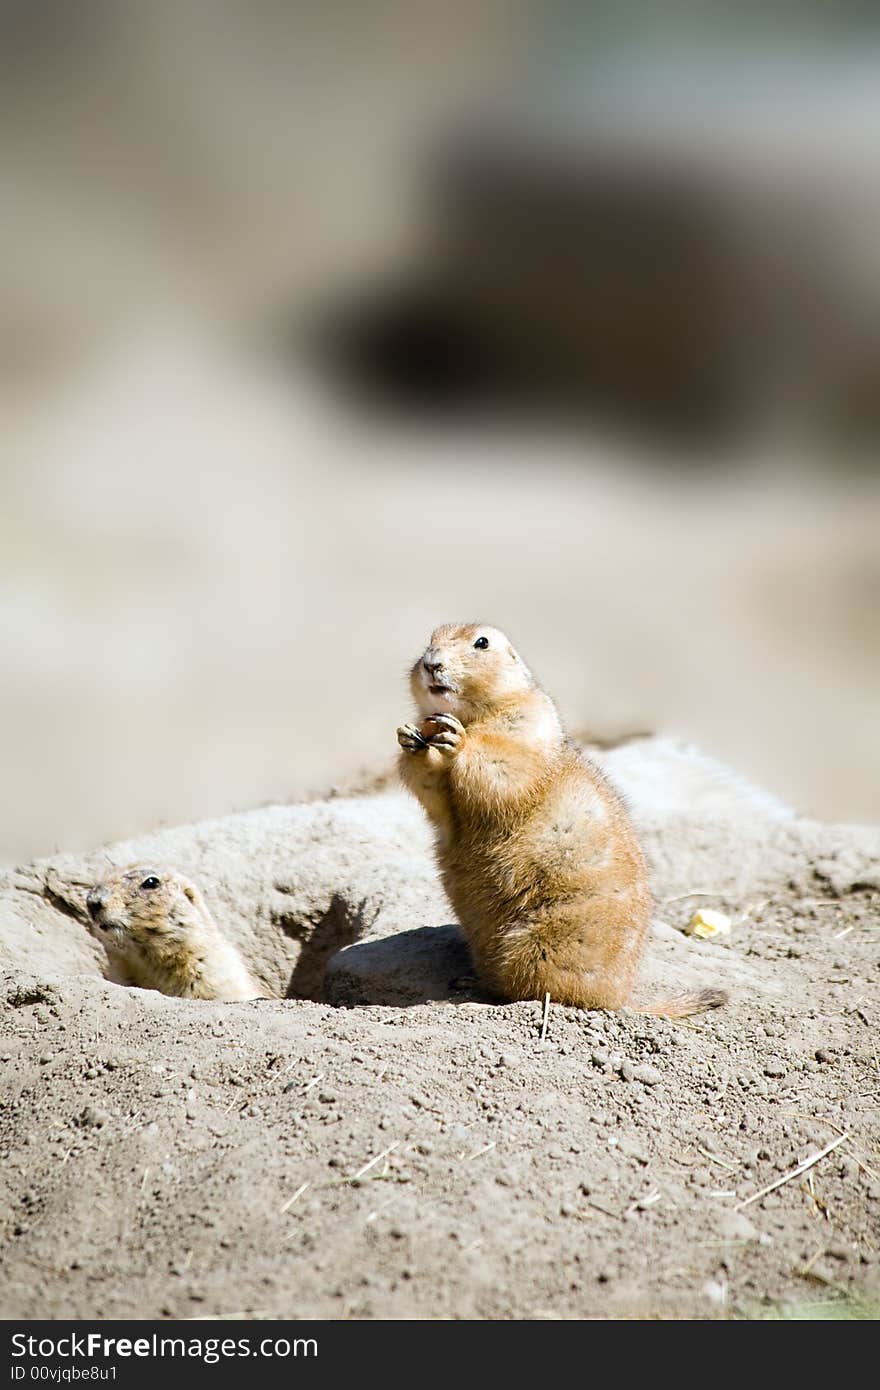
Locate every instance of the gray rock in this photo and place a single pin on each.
(734, 1225)
(648, 1075)
(715, 1290)
(632, 1149)
(774, 1066)
(839, 1251)
(93, 1117)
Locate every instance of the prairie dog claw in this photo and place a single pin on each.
(410, 739)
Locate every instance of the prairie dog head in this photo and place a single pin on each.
(144, 909)
(467, 667)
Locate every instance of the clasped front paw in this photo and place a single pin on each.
(444, 732)
(410, 739)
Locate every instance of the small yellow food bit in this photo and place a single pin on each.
(707, 923)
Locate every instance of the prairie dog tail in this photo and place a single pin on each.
(681, 1005)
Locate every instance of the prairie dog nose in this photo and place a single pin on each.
(432, 660)
(95, 901)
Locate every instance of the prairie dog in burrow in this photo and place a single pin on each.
(535, 848)
(159, 934)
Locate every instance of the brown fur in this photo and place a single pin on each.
(535, 848)
(163, 937)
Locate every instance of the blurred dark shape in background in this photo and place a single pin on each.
(553, 242)
(658, 214)
(694, 248)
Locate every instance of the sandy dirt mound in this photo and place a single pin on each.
(381, 1141)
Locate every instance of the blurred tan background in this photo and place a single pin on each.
(222, 541)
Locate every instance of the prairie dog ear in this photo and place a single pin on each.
(190, 892)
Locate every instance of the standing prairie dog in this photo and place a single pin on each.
(535, 848)
(158, 934)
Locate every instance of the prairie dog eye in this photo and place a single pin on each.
(481, 643)
(151, 882)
